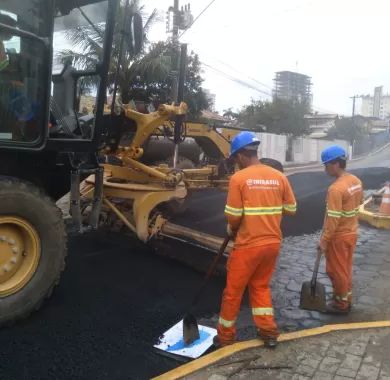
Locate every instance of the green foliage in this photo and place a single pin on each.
(148, 85)
(348, 129)
(142, 77)
(278, 116)
(230, 114)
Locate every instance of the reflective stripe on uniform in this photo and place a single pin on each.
(292, 207)
(341, 298)
(233, 211)
(226, 323)
(263, 210)
(351, 213)
(262, 311)
(345, 214)
(333, 213)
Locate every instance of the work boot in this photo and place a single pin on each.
(269, 342)
(331, 308)
(218, 344)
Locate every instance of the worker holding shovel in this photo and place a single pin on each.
(339, 235)
(258, 196)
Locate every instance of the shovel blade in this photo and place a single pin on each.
(190, 329)
(313, 301)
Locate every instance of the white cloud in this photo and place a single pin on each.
(341, 44)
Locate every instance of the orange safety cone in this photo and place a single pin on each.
(385, 205)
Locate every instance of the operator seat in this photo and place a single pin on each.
(62, 103)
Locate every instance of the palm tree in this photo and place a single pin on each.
(88, 42)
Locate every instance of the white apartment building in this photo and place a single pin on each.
(377, 105)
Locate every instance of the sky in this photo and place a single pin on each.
(340, 44)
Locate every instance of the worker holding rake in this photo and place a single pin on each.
(258, 196)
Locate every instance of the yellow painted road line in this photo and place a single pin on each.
(224, 352)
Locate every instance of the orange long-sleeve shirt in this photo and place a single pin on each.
(344, 197)
(258, 196)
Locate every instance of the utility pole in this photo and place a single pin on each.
(353, 105)
(181, 20)
(353, 121)
(175, 43)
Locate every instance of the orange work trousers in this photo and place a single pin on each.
(252, 267)
(339, 260)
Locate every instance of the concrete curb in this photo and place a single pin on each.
(224, 352)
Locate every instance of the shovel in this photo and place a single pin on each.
(313, 292)
(190, 325)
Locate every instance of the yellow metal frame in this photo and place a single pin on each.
(146, 125)
(375, 219)
(143, 198)
(141, 188)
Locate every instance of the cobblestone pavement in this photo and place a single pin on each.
(371, 284)
(341, 355)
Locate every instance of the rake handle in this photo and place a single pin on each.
(315, 272)
(211, 270)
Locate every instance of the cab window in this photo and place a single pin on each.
(23, 78)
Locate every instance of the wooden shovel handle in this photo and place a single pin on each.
(315, 271)
(211, 270)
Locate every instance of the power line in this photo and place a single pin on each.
(204, 53)
(237, 80)
(251, 86)
(197, 17)
(240, 72)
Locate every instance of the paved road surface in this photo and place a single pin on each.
(382, 158)
(116, 297)
(205, 207)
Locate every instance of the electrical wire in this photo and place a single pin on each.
(241, 73)
(250, 86)
(237, 80)
(198, 16)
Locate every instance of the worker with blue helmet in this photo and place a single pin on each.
(258, 196)
(244, 140)
(339, 234)
(248, 141)
(332, 153)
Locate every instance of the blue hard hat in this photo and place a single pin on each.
(242, 140)
(333, 152)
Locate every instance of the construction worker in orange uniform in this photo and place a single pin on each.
(258, 196)
(339, 235)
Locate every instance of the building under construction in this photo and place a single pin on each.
(293, 86)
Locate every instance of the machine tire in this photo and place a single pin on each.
(25, 202)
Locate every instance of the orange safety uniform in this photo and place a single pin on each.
(258, 195)
(344, 197)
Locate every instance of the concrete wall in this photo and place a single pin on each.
(309, 150)
(304, 150)
(272, 146)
